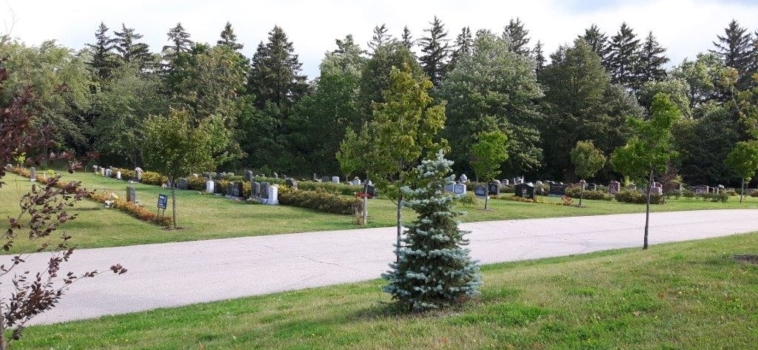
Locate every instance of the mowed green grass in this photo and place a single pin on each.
(690, 295)
(207, 216)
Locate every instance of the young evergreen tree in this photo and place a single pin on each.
(436, 54)
(229, 39)
(130, 49)
(381, 37)
(463, 44)
(102, 53)
(624, 58)
(407, 38)
(652, 59)
(736, 50)
(518, 36)
(539, 56)
(275, 74)
(434, 269)
(598, 42)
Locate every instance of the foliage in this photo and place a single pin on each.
(637, 197)
(743, 159)
(319, 200)
(469, 199)
(587, 159)
(433, 269)
(487, 154)
(575, 192)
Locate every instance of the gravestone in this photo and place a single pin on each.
(506, 182)
(480, 191)
(464, 178)
(229, 187)
(249, 176)
(632, 187)
(210, 186)
(450, 187)
(556, 190)
(272, 197)
(118, 175)
(356, 181)
(217, 188)
(138, 173)
(237, 189)
(592, 187)
(95, 167)
(276, 175)
(256, 189)
(702, 189)
(494, 188)
(264, 189)
(524, 190)
(656, 191)
(538, 183)
(108, 172)
(459, 189)
(33, 174)
(325, 179)
(614, 187)
(335, 179)
(370, 191)
(291, 183)
(315, 178)
(182, 184)
(131, 194)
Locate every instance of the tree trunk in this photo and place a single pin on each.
(581, 196)
(647, 208)
(399, 227)
(173, 200)
(486, 196)
(742, 189)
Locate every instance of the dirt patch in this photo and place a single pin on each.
(748, 258)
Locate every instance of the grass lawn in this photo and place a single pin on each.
(690, 295)
(209, 217)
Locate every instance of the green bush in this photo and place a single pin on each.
(713, 197)
(469, 199)
(637, 197)
(329, 187)
(319, 200)
(575, 192)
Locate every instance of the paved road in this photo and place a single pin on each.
(174, 274)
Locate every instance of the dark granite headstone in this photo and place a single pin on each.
(480, 191)
(525, 190)
(494, 188)
(292, 183)
(249, 176)
(237, 189)
(256, 189)
(264, 189)
(371, 190)
(556, 190)
(182, 184)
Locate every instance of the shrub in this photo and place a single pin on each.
(153, 178)
(469, 199)
(575, 192)
(637, 197)
(319, 200)
(713, 197)
(329, 187)
(688, 194)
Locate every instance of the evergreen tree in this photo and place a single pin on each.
(407, 38)
(375, 77)
(275, 74)
(434, 270)
(463, 44)
(130, 49)
(539, 56)
(180, 42)
(624, 58)
(436, 53)
(652, 59)
(102, 57)
(229, 39)
(518, 36)
(598, 42)
(736, 49)
(380, 38)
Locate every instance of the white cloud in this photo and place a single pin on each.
(685, 27)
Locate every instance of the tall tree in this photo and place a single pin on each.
(487, 154)
(623, 58)
(518, 36)
(180, 42)
(463, 45)
(539, 57)
(380, 38)
(703, 77)
(649, 149)
(736, 49)
(652, 61)
(598, 42)
(434, 270)
(229, 39)
(130, 49)
(494, 88)
(407, 38)
(102, 62)
(276, 76)
(436, 53)
(375, 77)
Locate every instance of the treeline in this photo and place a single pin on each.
(268, 116)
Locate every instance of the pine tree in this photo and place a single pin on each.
(539, 56)
(518, 36)
(380, 38)
(598, 41)
(180, 41)
(736, 49)
(130, 50)
(276, 72)
(434, 270)
(624, 57)
(463, 45)
(102, 57)
(229, 39)
(436, 53)
(652, 59)
(407, 38)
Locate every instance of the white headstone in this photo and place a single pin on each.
(273, 195)
(118, 174)
(336, 179)
(209, 186)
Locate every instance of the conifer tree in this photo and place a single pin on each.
(102, 56)
(539, 56)
(518, 36)
(436, 53)
(130, 49)
(407, 38)
(434, 270)
(275, 74)
(652, 59)
(380, 38)
(180, 42)
(463, 44)
(624, 58)
(736, 49)
(598, 42)
(229, 39)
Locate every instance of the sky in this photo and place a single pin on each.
(684, 27)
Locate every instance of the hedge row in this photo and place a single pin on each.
(637, 197)
(576, 192)
(130, 208)
(319, 200)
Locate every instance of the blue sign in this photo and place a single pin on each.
(162, 200)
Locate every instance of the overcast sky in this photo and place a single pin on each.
(685, 27)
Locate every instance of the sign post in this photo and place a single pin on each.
(162, 201)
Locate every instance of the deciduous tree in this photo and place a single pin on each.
(488, 153)
(587, 160)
